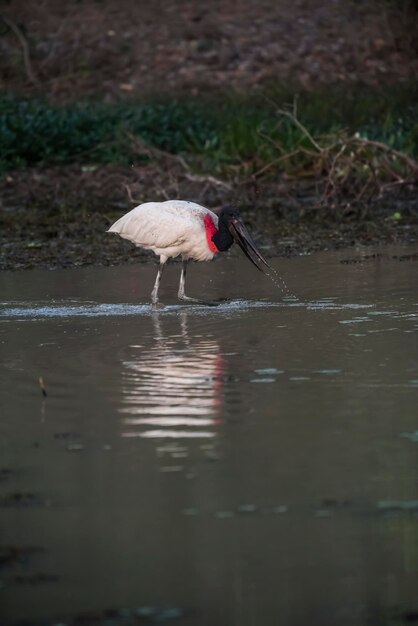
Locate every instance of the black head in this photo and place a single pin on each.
(232, 228)
(228, 213)
(223, 238)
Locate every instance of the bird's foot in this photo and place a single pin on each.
(203, 302)
(157, 305)
(182, 296)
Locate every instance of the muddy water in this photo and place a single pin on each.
(253, 463)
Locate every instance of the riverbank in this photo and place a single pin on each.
(58, 217)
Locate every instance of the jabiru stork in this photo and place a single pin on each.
(182, 228)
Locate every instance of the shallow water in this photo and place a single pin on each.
(251, 463)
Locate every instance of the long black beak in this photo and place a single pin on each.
(247, 244)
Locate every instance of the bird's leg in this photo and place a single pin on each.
(181, 295)
(154, 293)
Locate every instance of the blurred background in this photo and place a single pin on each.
(292, 110)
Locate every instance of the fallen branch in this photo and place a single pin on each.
(131, 199)
(159, 154)
(385, 148)
(348, 166)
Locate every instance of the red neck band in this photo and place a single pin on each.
(210, 231)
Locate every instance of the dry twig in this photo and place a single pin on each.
(302, 128)
(161, 156)
(391, 151)
(25, 48)
(346, 165)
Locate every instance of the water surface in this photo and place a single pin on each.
(249, 463)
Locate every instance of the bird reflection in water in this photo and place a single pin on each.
(172, 390)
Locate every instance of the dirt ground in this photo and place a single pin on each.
(107, 49)
(76, 50)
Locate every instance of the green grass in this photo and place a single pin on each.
(222, 130)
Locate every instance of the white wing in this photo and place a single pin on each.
(172, 227)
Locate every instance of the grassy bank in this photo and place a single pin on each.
(222, 131)
(307, 169)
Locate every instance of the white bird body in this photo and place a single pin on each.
(178, 227)
(170, 229)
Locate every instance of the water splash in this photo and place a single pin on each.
(38, 311)
(279, 282)
(31, 311)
